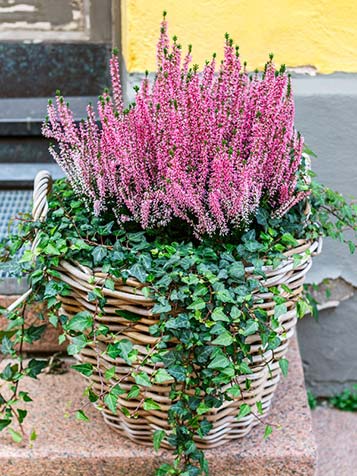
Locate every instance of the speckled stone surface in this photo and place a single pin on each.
(77, 69)
(66, 447)
(336, 435)
(49, 340)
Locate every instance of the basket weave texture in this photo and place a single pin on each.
(264, 364)
(128, 296)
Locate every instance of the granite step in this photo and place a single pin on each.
(48, 344)
(21, 140)
(67, 447)
(17, 175)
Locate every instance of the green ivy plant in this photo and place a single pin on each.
(203, 298)
(311, 400)
(346, 400)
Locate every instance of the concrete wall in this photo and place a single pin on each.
(326, 113)
(55, 20)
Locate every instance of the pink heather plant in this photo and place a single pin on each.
(205, 148)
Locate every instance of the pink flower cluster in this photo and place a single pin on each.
(205, 147)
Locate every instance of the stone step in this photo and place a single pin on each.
(24, 116)
(21, 175)
(66, 447)
(17, 175)
(21, 119)
(48, 344)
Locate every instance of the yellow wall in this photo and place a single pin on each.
(319, 33)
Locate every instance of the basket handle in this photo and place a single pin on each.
(42, 188)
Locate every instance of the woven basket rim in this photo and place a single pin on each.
(85, 271)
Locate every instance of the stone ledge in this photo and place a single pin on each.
(48, 344)
(18, 175)
(66, 447)
(23, 117)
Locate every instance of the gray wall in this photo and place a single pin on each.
(326, 113)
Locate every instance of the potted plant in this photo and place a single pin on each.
(173, 255)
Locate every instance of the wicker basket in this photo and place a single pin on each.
(264, 364)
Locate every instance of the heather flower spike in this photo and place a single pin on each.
(206, 147)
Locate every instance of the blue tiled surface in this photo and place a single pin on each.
(12, 202)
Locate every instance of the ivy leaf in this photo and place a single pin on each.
(225, 296)
(130, 316)
(203, 408)
(111, 399)
(85, 369)
(22, 415)
(251, 328)
(6, 346)
(219, 315)
(80, 322)
(9, 372)
(284, 366)
(17, 437)
(109, 284)
(109, 373)
(302, 308)
(288, 239)
(34, 333)
(166, 469)
(220, 361)
(134, 392)
(113, 350)
(80, 415)
(150, 404)
(99, 253)
(197, 305)
(138, 272)
(162, 376)
(236, 270)
(352, 247)
(125, 347)
(159, 435)
(77, 344)
(205, 428)
(178, 372)
(224, 339)
(24, 396)
(51, 250)
(234, 390)
(279, 310)
(244, 368)
(252, 246)
(268, 431)
(235, 313)
(4, 423)
(142, 379)
(35, 367)
(163, 306)
(53, 320)
(243, 411)
(96, 294)
(92, 397)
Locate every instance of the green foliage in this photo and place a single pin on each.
(203, 301)
(347, 400)
(311, 399)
